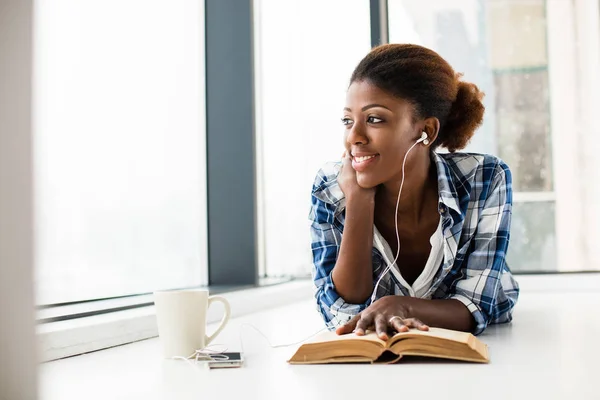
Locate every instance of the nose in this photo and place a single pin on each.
(356, 135)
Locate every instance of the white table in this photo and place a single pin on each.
(550, 351)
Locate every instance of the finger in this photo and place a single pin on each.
(398, 325)
(347, 159)
(415, 323)
(420, 325)
(381, 327)
(365, 322)
(349, 326)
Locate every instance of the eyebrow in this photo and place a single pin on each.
(365, 108)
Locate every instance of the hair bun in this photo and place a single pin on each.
(466, 115)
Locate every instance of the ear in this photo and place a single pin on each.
(432, 128)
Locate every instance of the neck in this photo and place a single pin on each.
(420, 185)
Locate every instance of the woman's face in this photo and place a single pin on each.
(379, 132)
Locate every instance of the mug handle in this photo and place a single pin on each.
(225, 318)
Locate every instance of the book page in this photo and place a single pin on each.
(333, 337)
(446, 334)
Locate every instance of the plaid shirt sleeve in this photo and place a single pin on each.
(488, 289)
(326, 238)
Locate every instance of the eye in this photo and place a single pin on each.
(374, 120)
(346, 121)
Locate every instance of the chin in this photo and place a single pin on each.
(366, 182)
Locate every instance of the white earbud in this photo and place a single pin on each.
(424, 138)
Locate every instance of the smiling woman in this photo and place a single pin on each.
(452, 219)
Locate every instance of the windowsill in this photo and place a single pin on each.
(62, 312)
(66, 338)
(83, 335)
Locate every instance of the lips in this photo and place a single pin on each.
(362, 161)
(364, 158)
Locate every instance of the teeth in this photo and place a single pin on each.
(361, 159)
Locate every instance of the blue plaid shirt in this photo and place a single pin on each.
(475, 202)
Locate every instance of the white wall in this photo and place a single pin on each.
(574, 59)
(17, 350)
(562, 61)
(587, 27)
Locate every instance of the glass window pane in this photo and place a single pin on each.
(307, 51)
(519, 62)
(500, 45)
(119, 147)
(532, 238)
(523, 127)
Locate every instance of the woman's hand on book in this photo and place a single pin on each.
(388, 314)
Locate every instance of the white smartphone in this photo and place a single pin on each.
(226, 360)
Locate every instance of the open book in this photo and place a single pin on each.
(328, 347)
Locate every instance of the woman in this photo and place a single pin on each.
(402, 236)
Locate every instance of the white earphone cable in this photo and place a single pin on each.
(374, 294)
(274, 346)
(207, 354)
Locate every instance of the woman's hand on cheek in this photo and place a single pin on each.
(388, 314)
(348, 182)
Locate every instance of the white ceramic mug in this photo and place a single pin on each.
(181, 318)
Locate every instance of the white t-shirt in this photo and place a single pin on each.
(425, 280)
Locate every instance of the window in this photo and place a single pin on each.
(518, 53)
(120, 129)
(119, 138)
(306, 52)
